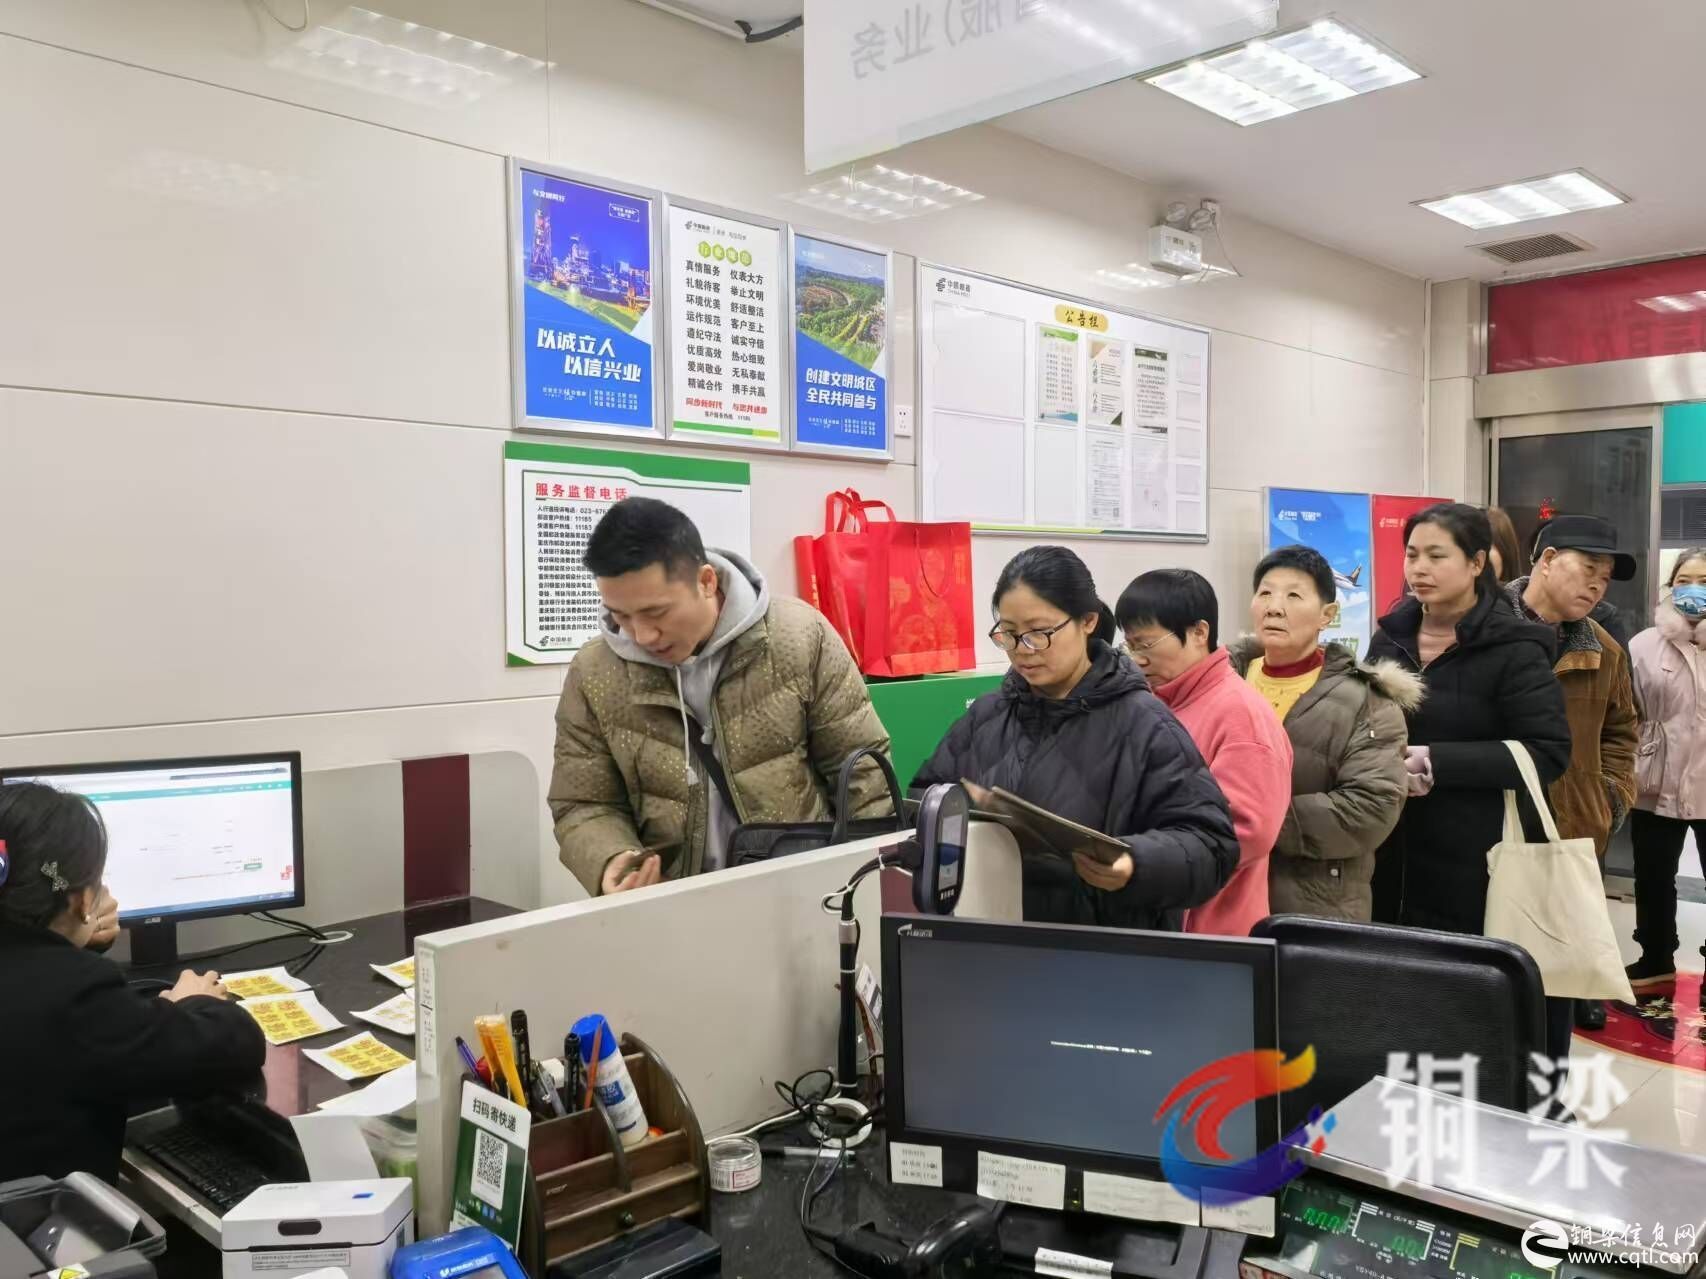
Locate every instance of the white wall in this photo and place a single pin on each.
(253, 384)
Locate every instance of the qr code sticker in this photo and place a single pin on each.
(489, 1155)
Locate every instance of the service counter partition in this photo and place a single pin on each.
(731, 977)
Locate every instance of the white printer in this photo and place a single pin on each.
(291, 1230)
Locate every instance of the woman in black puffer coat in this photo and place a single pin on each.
(1488, 679)
(1074, 729)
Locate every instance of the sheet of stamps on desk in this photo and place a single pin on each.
(358, 1057)
(286, 1018)
(263, 981)
(396, 1014)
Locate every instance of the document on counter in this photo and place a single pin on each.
(402, 972)
(396, 1014)
(286, 1018)
(386, 1095)
(358, 1057)
(263, 981)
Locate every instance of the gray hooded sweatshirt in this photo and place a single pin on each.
(746, 599)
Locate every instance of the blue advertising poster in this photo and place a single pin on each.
(586, 313)
(1339, 525)
(840, 330)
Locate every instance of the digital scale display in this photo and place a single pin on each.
(1334, 1230)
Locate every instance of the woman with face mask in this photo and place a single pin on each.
(1669, 670)
(1074, 729)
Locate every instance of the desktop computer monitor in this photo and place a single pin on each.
(1059, 1044)
(191, 838)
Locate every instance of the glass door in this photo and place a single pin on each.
(1604, 464)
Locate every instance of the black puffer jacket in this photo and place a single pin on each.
(1109, 756)
(1495, 686)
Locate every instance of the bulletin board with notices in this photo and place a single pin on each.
(1043, 413)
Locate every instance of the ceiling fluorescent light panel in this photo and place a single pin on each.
(1573, 191)
(1283, 74)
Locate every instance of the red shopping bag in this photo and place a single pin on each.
(897, 592)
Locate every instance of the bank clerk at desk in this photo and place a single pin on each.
(81, 1044)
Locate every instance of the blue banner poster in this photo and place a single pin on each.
(1340, 526)
(586, 272)
(840, 330)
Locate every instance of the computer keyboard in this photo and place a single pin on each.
(205, 1162)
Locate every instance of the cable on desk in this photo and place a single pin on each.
(321, 937)
(287, 928)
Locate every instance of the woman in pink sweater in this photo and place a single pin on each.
(1169, 619)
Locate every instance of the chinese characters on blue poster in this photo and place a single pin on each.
(840, 338)
(586, 274)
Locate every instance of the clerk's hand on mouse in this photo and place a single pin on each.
(105, 921)
(189, 984)
(634, 869)
(1109, 878)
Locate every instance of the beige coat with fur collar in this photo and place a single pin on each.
(1347, 783)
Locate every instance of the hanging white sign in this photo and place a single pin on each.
(881, 73)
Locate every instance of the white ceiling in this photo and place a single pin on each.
(1513, 89)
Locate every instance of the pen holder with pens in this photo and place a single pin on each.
(584, 1188)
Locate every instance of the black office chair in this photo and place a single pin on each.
(1360, 991)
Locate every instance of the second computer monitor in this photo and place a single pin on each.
(1060, 1044)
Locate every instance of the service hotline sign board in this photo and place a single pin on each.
(727, 336)
(581, 298)
(554, 497)
(841, 297)
(1338, 526)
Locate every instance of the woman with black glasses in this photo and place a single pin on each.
(1074, 729)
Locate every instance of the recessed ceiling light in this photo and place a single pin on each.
(1286, 73)
(1524, 201)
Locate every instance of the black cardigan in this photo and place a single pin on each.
(1495, 685)
(1109, 756)
(82, 1046)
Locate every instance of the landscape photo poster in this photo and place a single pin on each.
(1338, 525)
(841, 297)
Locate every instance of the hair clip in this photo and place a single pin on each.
(5, 863)
(51, 870)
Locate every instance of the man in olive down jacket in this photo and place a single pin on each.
(693, 644)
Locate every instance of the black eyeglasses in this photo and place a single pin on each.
(1036, 641)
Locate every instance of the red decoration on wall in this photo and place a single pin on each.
(1621, 313)
(1388, 515)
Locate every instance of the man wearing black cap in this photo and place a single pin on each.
(1575, 560)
